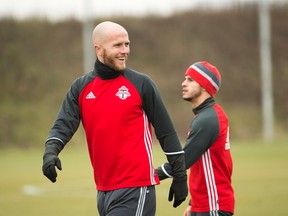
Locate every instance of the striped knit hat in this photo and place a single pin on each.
(206, 75)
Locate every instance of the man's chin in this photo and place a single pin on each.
(187, 99)
(121, 68)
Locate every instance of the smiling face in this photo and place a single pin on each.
(114, 53)
(112, 45)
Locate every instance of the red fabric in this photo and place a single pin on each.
(210, 177)
(111, 105)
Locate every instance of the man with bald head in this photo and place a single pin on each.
(111, 37)
(118, 107)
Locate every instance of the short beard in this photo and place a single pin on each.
(194, 97)
(110, 62)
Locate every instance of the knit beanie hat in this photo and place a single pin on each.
(206, 75)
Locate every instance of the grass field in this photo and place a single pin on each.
(260, 180)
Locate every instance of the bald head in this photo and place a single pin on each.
(111, 43)
(104, 30)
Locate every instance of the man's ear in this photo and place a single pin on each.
(98, 50)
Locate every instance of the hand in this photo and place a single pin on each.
(178, 190)
(48, 168)
(187, 211)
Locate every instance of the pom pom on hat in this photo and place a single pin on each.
(206, 75)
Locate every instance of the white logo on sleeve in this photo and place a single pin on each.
(90, 95)
(123, 93)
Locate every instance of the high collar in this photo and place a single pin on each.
(105, 72)
(207, 103)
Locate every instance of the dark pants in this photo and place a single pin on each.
(215, 213)
(127, 202)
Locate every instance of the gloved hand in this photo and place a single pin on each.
(49, 163)
(178, 190)
(51, 159)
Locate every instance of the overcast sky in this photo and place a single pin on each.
(61, 9)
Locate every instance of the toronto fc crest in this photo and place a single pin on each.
(123, 93)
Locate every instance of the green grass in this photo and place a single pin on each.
(260, 180)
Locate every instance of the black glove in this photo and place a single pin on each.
(51, 159)
(178, 190)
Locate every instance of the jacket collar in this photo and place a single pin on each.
(207, 103)
(105, 72)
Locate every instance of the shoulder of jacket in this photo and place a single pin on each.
(134, 73)
(79, 83)
(206, 117)
(85, 78)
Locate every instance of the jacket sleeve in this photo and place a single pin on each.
(164, 130)
(68, 118)
(203, 133)
(160, 119)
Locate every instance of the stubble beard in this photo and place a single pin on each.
(194, 96)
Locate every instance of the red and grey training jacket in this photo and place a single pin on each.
(117, 110)
(207, 154)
